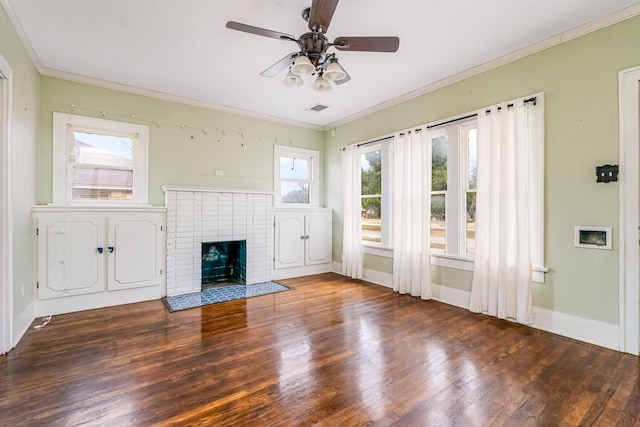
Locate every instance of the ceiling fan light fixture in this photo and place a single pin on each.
(292, 80)
(302, 66)
(321, 84)
(334, 71)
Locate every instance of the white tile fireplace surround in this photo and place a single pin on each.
(196, 215)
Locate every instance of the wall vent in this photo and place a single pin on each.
(317, 108)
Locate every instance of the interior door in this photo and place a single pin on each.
(629, 183)
(6, 291)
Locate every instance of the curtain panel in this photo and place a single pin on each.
(351, 208)
(510, 143)
(411, 212)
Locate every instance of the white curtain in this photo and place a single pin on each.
(411, 212)
(351, 208)
(510, 140)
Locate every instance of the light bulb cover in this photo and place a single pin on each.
(292, 80)
(302, 66)
(334, 71)
(321, 84)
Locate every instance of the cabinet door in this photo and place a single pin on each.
(134, 251)
(318, 238)
(289, 240)
(69, 260)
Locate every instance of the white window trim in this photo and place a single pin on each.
(314, 184)
(61, 186)
(455, 195)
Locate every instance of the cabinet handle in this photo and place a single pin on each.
(100, 250)
(306, 237)
(111, 248)
(302, 237)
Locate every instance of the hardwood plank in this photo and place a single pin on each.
(333, 351)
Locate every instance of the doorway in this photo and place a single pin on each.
(629, 233)
(6, 288)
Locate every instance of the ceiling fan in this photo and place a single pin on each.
(312, 57)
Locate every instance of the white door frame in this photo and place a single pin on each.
(6, 235)
(629, 132)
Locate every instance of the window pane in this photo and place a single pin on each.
(473, 158)
(371, 175)
(292, 168)
(101, 194)
(439, 164)
(294, 192)
(102, 184)
(438, 221)
(371, 225)
(471, 222)
(106, 150)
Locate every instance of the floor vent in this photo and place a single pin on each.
(317, 108)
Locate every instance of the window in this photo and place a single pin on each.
(374, 194)
(99, 161)
(453, 189)
(296, 176)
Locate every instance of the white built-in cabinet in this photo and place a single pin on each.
(302, 243)
(92, 257)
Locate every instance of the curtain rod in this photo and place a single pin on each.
(453, 120)
(532, 99)
(370, 142)
(374, 141)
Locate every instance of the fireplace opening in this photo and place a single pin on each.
(224, 262)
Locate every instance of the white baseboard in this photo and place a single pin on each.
(286, 273)
(21, 323)
(70, 304)
(586, 330)
(451, 296)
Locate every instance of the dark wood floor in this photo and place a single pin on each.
(333, 351)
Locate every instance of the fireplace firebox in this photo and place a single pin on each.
(224, 262)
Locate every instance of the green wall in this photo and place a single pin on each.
(580, 82)
(240, 146)
(24, 121)
(579, 79)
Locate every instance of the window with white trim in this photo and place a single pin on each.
(453, 189)
(99, 161)
(296, 176)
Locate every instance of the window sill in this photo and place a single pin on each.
(377, 250)
(451, 261)
(448, 261)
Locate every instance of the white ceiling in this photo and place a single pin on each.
(182, 48)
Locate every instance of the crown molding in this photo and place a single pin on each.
(13, 18)
(48, 72)
(556, 40)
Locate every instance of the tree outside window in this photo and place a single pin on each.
(371, 175)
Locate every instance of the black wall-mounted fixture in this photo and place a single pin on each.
(607, 173)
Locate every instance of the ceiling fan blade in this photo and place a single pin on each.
(368, 44)
(259, 31)
(276, 68)
(344, 80)
(321, 14)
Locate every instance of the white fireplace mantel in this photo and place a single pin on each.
(197, 214)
